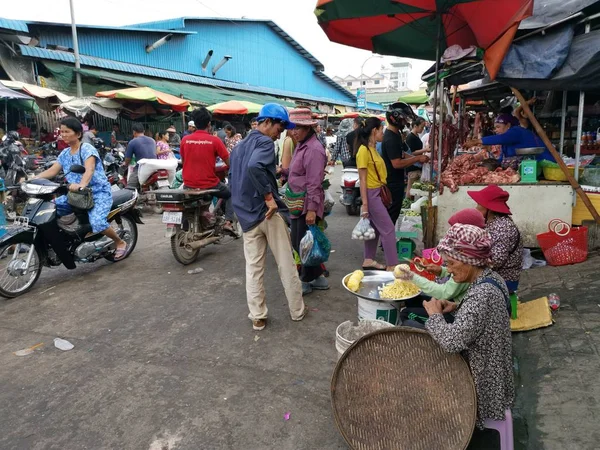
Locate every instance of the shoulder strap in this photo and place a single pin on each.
(374, 164)
(497, 285)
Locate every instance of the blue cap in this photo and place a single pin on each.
(275, 112)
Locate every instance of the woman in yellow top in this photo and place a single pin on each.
(373, 175)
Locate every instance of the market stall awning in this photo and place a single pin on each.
(16, 99)
(415, 98)
(103, 106)
(146, 94)
(235, 107)
(37, 91)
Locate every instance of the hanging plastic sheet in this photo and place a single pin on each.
(539, 56)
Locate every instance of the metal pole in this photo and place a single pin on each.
(435, 98)
(76, 51)
(579, 127)
(562, 122)
(440, 129)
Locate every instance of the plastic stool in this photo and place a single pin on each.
(505, 428)
(514, 304)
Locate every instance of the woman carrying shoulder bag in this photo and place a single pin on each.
(375, 195)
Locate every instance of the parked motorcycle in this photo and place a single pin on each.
(39, 238)
(350, 197)
(154, 174)
(113, 167)
(191, 225)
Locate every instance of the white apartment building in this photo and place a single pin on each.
(390, 79)
(376, 83)
(398, 74)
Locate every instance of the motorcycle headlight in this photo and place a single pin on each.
(37, 189)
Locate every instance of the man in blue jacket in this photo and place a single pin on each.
(260, 212)
(511, 137)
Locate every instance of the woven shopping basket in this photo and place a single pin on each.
(563, 244)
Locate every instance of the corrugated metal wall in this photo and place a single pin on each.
(260, 57)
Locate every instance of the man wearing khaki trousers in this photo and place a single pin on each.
(259, 210)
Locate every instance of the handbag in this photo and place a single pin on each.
(294, 201)
(82, 199)
(384, 191)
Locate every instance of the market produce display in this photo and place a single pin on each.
(354, 280)
(466, 169)
(398, 290)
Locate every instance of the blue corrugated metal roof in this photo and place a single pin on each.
(13, 25)
(180, 23)
(101, 27)
(375, 106)
(56, 55)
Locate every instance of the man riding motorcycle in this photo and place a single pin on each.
(199, 152)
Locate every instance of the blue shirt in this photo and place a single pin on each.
(143, 147)
(99, 182)
(514, 138)
(251, 176)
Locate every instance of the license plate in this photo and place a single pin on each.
(163, 183)
(172, 217)
(347, 199)
(115, 188)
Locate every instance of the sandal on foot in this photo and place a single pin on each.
(120, 253)
(375, 266)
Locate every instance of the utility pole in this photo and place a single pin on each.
(76, 51)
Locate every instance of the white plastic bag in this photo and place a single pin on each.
(363, 230)
(328, 203)
(306, 246)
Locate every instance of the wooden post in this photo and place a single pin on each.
(542, 134)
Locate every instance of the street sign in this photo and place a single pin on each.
(361, 98)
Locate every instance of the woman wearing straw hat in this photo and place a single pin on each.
(174, 138)
(305, 175)
(481, 327)
(507, 248)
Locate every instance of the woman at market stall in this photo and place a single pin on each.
(481, 327)
(163, 150)
(414, 315)
(507, 249)
(512, 137)
(94, 178)
(305, 175)
(373, 175)
(231, 137)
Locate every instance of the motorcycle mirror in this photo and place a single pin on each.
(77, 168)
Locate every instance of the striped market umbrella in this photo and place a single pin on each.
(419, 28)
(235, 107)
(146, 94)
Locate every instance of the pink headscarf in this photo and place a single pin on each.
(468, 244)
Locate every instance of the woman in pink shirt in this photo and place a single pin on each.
(163, 151)
(305, 175)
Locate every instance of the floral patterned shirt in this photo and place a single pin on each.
(507, 248)
(481, 333)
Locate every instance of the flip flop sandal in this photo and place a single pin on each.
(120, 253)
(376, 266)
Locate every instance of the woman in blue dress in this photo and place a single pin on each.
(94, 178)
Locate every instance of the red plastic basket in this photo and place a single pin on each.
(564, 245)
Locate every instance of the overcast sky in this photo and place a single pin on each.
(296, 17)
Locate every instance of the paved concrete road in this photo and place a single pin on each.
(168, 360)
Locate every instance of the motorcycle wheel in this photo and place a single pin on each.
(12, 258)
(181, 254)
(129, 233)
(352, 210)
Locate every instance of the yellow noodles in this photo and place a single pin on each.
(398, 289)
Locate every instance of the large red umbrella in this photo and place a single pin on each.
(410, 28)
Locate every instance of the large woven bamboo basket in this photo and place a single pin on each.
(396, 389)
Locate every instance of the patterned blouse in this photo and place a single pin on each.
(507, 248)
(481, 333)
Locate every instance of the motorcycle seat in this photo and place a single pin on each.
(121, 196)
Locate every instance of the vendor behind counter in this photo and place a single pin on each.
(511, 136)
